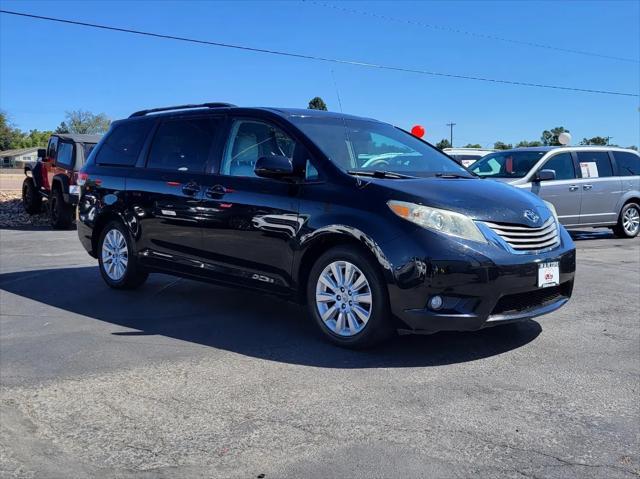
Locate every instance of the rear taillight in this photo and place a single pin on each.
(81, 178)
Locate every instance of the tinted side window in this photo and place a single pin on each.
(628, 163)
(183, 145)
(251, 140)
(563, 166)
(122, 146)
(598, 159)
(65, 155)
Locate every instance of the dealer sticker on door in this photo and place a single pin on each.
(548, 274)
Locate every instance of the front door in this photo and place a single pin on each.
(249, 222)
(601, 190)
(165, 195)
(563, 192)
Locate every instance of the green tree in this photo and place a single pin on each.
(317, 103)
(6, 132)
(550, 137)
(632, 147)
(498, 145)
(596, 140)
(84, 122)
(525, 143)
(472, 145)
(442, 144)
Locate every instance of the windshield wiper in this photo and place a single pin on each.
(453, 175)
(379, 174)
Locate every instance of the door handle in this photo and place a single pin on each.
(573, 187)
(190, 188)
(217, 191)
(587, 187)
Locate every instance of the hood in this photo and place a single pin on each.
(483, 200)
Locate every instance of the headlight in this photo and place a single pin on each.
(442, 221)
(552, 209)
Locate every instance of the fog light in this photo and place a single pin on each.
(436, 302)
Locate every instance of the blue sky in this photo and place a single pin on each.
(47, 68)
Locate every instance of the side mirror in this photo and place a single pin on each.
(545, 175)
(275, 167)
(42, 153)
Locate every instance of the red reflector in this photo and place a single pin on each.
(226, 205)
(173, 183)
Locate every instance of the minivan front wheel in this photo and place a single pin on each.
(629, 221)
(116, 258)
(347, 297)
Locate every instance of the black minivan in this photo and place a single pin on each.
(375, 229)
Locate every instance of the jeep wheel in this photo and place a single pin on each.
(347, 296)
(61, 213)
(117, 259)
(31, 199)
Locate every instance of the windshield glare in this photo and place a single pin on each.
(361, 145)
(508, 164)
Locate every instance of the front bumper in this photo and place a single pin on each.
(482, 285)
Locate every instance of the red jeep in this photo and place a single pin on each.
(53, 177)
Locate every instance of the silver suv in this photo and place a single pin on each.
(589, 185)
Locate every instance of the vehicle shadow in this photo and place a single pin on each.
(591, 234)
(247, 323)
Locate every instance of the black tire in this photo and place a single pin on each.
(622, 231)
(134, 274)
(61, 213)
(31, 199)
(378, 327)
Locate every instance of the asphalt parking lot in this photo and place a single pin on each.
(182, 379)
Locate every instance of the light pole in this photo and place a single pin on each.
(451, 125)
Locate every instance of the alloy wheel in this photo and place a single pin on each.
(631, 221)
(343, 298)
(115, 255)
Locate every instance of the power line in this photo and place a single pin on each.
(466, 32)
(312, 57)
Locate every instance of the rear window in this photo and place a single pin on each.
(628, 163)
(122, 146)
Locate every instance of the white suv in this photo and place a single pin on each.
(589, 185)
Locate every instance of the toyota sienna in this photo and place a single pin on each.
(374, 229)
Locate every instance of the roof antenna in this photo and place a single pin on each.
(346, 129)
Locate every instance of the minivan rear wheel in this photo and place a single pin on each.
(629, 221)
(116, 257)
(348, 298)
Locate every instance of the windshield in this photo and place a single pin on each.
(507, 164)
(361, 145)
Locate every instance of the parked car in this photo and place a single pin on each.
(588, 185)
(467, 156)
(375, 229)
(53, 177)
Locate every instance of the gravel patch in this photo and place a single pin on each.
(12, 213)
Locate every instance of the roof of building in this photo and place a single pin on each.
(18, 151)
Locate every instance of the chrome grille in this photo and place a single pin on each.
(525, 238)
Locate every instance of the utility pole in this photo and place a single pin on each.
(608, 138)
(451, 125)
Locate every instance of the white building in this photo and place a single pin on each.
(18, 158)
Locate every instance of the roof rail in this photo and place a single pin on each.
(181, 107)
